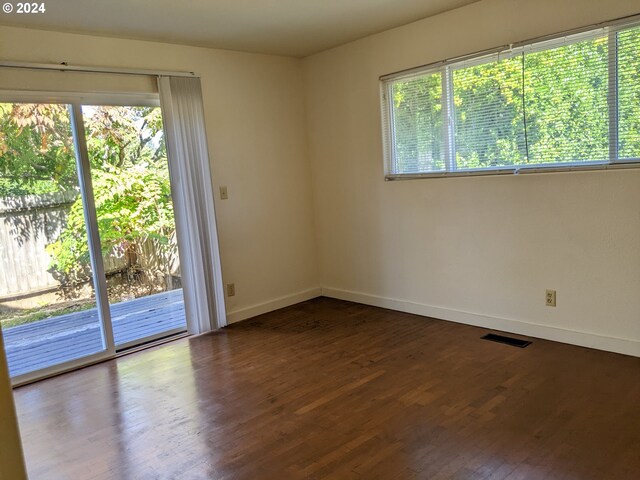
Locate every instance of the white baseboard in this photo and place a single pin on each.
(583, 339)
(271, 305)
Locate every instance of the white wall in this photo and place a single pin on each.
(254, 112)
(480, 250)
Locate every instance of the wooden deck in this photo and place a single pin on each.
(38, 345)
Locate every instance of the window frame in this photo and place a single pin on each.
(446, 67)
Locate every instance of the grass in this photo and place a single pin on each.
(12, 318)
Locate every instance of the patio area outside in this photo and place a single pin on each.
(44, 343)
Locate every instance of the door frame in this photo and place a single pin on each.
(75, 102)
(91, 224)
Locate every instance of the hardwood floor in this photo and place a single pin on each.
(332, 389)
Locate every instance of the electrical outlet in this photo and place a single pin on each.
(224, 194)
(231, 289)
(550, 298)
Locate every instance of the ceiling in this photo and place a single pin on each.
(283, 27)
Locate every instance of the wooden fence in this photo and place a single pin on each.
(27, 225)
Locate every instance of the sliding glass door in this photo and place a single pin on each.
(88, 254)
(134, 208)
(48, 310)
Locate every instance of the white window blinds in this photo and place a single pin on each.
(488, 113)
(417, 122)
(628, 89)
(571, 101)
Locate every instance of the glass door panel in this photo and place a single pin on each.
(134, 209)
(48, 308)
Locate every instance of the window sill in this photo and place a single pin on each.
(519, 170)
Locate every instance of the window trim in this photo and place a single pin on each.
(446, 67)
(139, 99)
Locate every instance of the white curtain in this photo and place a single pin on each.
(187, 150)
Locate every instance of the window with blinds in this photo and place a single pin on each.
(570, 102)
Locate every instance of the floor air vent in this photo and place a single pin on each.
(514, 342)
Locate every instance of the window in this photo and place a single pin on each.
(570, 102)
(417, 114)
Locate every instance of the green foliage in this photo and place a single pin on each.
(567, 109)
(132, 193)
(417, 110)
(489, 91)
(129, 175)
(560, 94)
(120, 136)
(629, 103)
(70, 261)
(133, 205)
(36, 149)
(10, 187)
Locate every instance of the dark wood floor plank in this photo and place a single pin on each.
(334, 390)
